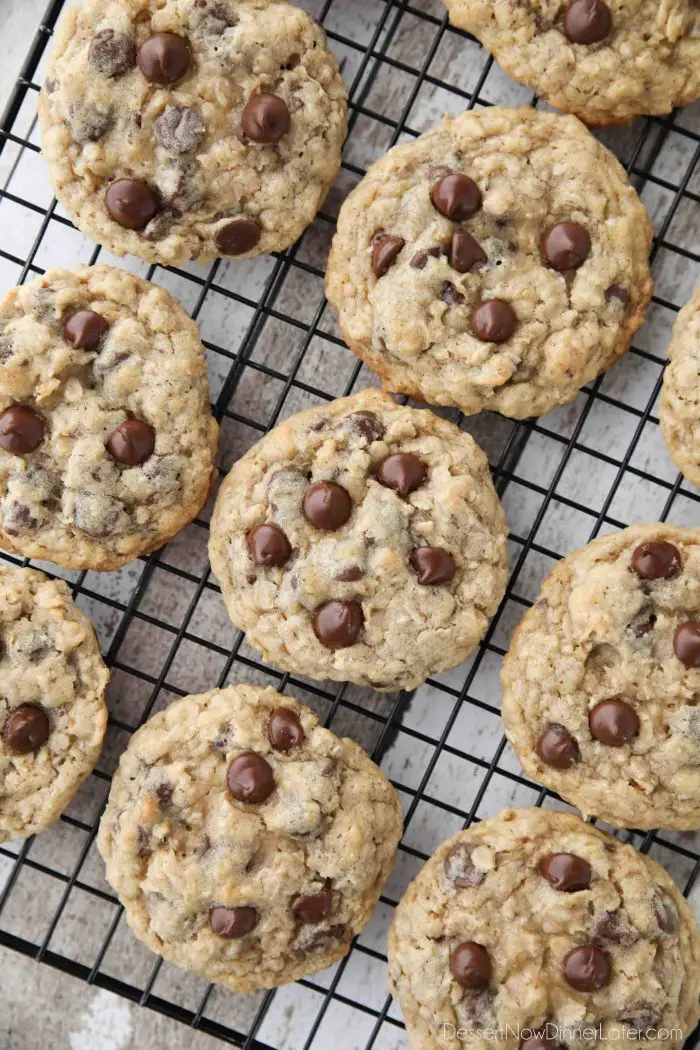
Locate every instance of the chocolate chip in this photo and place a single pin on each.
(433, 565)
(384, 253)
(465, 252)
(613, 722)
(457, 197)
(586, 968)
(21, 430)
(640, 1015)
(314, 907)
(250, 778)
(686, 640)
(311, 940)
(615, 291)
(470, 965)
(164, 58)
(566, 872)
(493, 321)
(266, 118)
(665, 911)
(132, 442)
(237, 237)
(327, 505)
(17, 518)
(111, 53)
(233, 922)
(656, 560)
(284, 730)
(350, 575)
(557, 747)
(26, 729)
(402, 472)
(450, 295)
(179, 129)
(88, 123)
(460, 869)
(566, 246)
(420, 259)
(367, 424)
(268, 546)
(337, 624)
(85, 330)
(132, 203)
(642, 622)
(587, 21)
(164, 793)
(613, 927)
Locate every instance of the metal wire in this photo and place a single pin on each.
(571, 447)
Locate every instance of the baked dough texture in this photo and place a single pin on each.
(679, 412)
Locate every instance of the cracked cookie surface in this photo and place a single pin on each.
(188, 129)
(602, 679)
(534, 918)
(107, 442)
(679, 411)
(52, 711)
(607, 62)
(499, 262)
(246, 842)
(361, 541)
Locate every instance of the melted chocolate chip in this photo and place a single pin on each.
(132, 442)
(586, 968)
(233, 922)
(132, 203)
(557, 747)
(470, 965)
(111, 53)
(164, 58)
(656, 560)
(493, 321)
(313, 907)
(465, 252)
(686, 643)
(566, 872)
(402, 472)
(85, 330)
(665, 911)
(420, 259)
(450, 295)
(268, 546)
(433, 565)
(337, 625)
(250, 778)
(26, 729)
(566, 246)
(237, 237)
(615, 291)
(327, 505)
(613, 927)
(350, 575)
(266, 118)
(587, 21)
(613, 722)
(367, 424)
(384, 253)
(179, 129)
(165, 794)
(640, 1015)
(320, 938)
(457, 197)
(460, 869)
(642, 622)
(21, 430)
(284, 730)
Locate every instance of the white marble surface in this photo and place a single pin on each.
(474, 736)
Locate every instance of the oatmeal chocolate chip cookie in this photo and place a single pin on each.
(607, 62)
(602, 680)
(498, 261)
(361, 541)
(52, 710)
(679, 414)
(187, 129)
(107, 442)
(245, 841)
(535, 923)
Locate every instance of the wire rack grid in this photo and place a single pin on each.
(589, 468)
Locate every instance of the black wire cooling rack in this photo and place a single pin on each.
(592, 467)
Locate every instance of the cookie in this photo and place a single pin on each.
(361, 541)
(246, 842)
(679, 412)
(602, 679)
(188, 129)
(107, 442)
(607, 62)
(497, 262)
(536, 930)
(52, 711)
